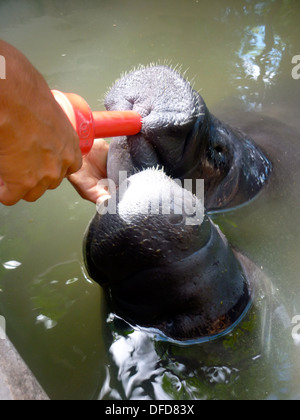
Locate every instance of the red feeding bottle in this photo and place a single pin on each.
(93, 125)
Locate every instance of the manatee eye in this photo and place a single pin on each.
(219, 149)
(220, 155)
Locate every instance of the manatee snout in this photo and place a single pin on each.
(181, 136)
(170, 109)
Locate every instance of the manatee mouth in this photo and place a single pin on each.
(146, 154)
(177, 156)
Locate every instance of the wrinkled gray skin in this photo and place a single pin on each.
(161, 270)
(180, 135)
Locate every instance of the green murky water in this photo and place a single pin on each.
(238, 54)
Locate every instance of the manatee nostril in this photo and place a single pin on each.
(170, 324)
(131, 100)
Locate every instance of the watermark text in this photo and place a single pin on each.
(296, 69)
(2, 67)
(2, 328)
(154, 196)
(296, 329)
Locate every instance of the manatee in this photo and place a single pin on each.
(173, 270)
(161, 270)
(180, 135)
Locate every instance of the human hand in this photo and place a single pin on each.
(86, 180)
(38, 145)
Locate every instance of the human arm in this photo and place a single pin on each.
(38, 145)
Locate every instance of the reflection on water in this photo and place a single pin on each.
(247, 363)
(239, 54)
(259, 63)
(11, 265)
